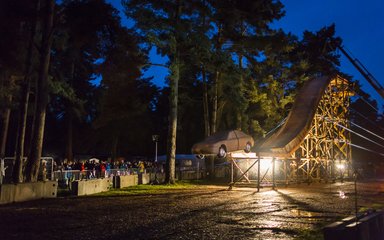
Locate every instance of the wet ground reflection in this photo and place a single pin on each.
(205, 212)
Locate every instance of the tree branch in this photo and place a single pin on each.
(155, 64)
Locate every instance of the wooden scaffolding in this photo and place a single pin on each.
(323, 155)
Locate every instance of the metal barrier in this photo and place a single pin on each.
(65, 177)
(369, 225)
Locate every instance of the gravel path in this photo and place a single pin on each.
(204, 212)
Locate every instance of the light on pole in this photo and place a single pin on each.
(155, 138)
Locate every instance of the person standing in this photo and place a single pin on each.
(141, 167)
(2, 171)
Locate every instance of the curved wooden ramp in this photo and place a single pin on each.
(289, 137)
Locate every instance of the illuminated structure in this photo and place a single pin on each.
(325, 152)
(312, 144)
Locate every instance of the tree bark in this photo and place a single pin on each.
(6, 113)
(33, 162)
(207, 126)
(172, 129)
(69, 148)
(211, 159)
(22, 122)
(215, 87)
(28, 144)
(4, 131)
(239, 110)
(215, 102)
(173, 101)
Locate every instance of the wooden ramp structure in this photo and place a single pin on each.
(312, 144)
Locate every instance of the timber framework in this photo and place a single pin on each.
(312, 145)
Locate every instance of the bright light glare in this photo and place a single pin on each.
(340, 166)
(342, 195)
(265, 164)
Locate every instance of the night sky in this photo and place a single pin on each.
(358, 23)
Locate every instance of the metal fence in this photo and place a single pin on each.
(66, 176)
(91, 174)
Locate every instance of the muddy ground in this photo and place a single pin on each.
(202, 212)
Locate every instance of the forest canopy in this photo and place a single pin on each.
(72, 76)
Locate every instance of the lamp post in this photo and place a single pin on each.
(155, 138)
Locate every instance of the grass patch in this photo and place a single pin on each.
(374, 206)
(151, 189)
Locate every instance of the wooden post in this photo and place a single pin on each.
(232, 171)
(308, 172)
(297, 171)
(258, 172)
(285, 172)
(273, 173)
(247, 175)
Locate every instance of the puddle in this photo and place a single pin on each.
(301, 213)
(342, 194)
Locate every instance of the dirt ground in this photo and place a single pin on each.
(202, 212)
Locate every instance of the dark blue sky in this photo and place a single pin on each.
(359, 23)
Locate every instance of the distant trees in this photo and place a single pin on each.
(59, 51)
(166, 24)
(84, 36)
(76, 74)
(18, 22)
(199, 36)
(126, 100)
(33, 162)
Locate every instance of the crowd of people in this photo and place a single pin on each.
(95, 168)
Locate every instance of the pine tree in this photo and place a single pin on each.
(166, 25)
(125, 104)
(33, 163)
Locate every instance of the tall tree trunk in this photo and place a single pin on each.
(4, 131)
(207, 126)
(215, 97)
(4, 134)
(6, 113)
(215, 105)
(69, 149)
(215, 102)
(239, 110)
(173, 99)
(172, 129)
(22, 122)
(33, 163)
(28, 144)
(211, 159)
